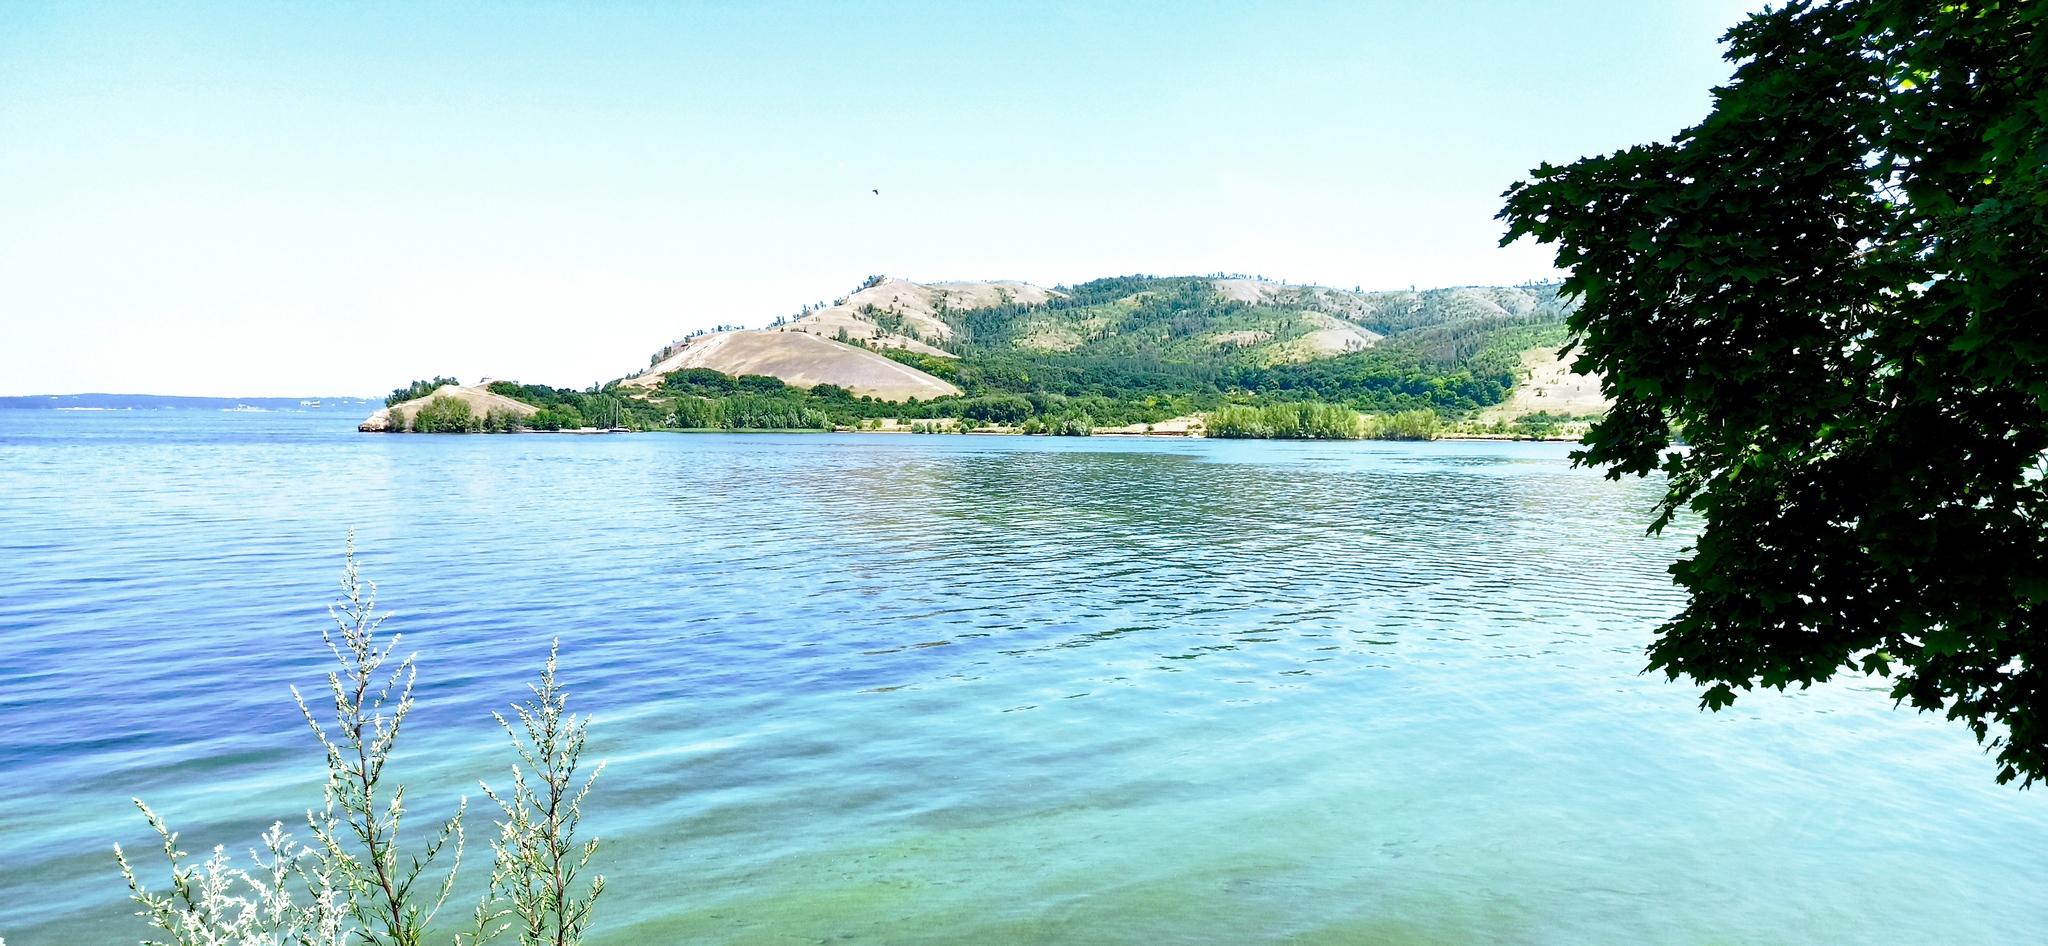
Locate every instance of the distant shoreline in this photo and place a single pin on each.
(174, 402)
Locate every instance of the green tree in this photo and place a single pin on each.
(1302, 420)
(417, 389)
(446, 415)
(1834, 286)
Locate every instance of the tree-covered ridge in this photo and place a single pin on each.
(1230, 323)
(1448, 350)
(570, 409)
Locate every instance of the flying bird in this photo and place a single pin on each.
(878, 192)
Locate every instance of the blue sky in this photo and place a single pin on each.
(300, 199)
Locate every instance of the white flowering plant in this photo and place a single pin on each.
(358, 882)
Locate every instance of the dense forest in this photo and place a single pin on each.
(1137, 350)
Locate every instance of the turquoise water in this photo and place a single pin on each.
(878, 689)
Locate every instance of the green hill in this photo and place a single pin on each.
(1449, 350)
(1130, 350)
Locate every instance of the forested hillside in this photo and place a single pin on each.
(1114, 352)
(1449, 350)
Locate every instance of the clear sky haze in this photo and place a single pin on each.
(334, 199)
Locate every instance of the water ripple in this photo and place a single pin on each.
(961, 689)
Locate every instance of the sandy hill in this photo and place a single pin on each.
(894, 313)
(799, 359)
(482, 403)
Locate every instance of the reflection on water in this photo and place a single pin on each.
(962, 689)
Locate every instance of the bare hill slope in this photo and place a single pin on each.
(799, 359)
(894, 313)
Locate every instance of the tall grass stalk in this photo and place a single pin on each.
(357, 831)
(538, 859)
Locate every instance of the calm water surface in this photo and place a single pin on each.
(877, 689)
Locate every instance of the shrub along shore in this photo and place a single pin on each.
(704, 400)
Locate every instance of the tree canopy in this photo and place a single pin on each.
(1833, 288)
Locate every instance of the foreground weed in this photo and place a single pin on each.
(357, 831)
(357, 883)
(214, 904)
(534, 879)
